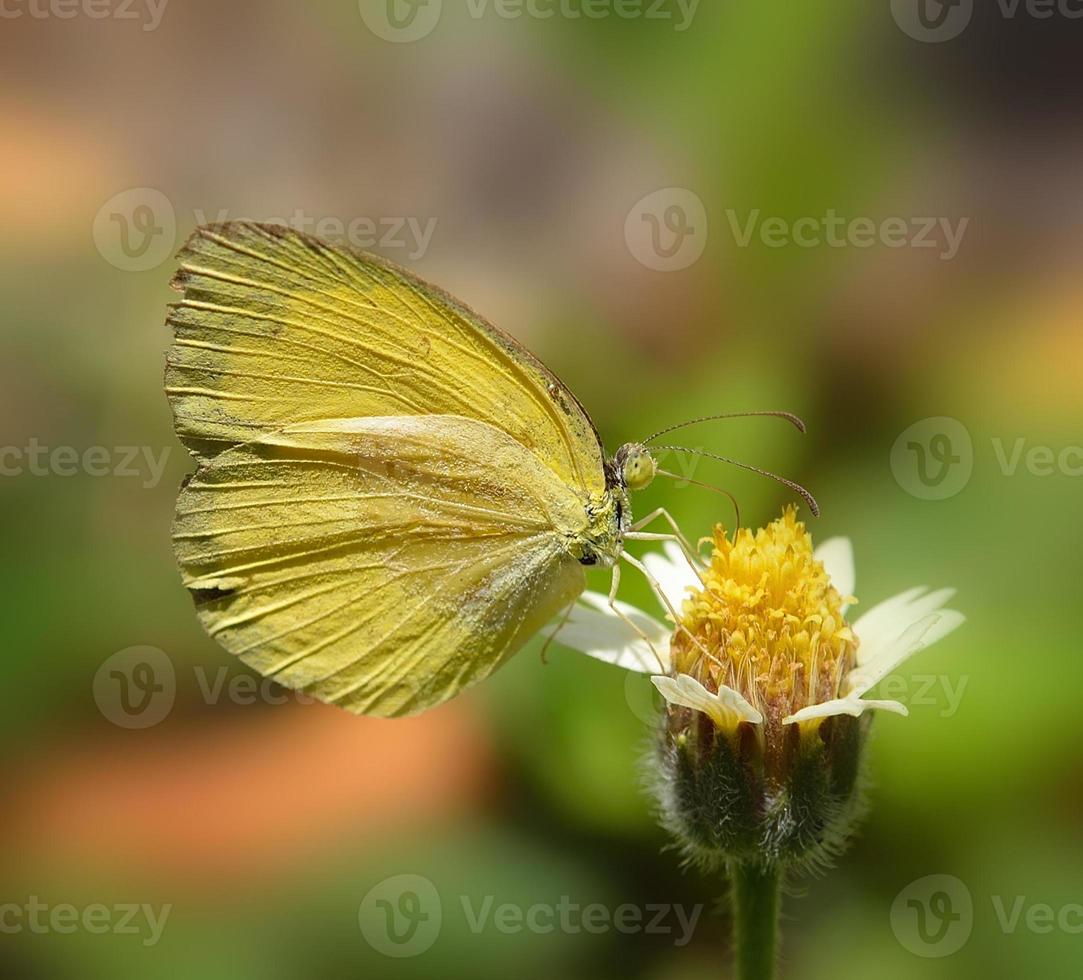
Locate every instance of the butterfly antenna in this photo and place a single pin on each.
(795, 487)
(706, 486)
(788, 416)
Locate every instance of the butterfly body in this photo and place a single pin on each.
(601, 539)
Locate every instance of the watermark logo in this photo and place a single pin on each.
(933, 459)
(642, 697)
(667, 230)
(933, 916)
(136, 229)
(932, 21)
(401, 916)
(136, 687)
(401, 21)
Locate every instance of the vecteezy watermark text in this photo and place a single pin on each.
(136, 687)
(566, 916)
(941, 692)
(414, 234)
(835, 231)
(149, 12)
(402, 21)
(666, 230)
(136, 229)
(401, 916)
(124, 462)
(680, 12)
(926, 690)
(121, 919)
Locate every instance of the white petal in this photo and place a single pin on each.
(726, 709)
(837, 556)
(882, 625)
(843, 706)
(916, 637)
(673, 573)
(596, 630)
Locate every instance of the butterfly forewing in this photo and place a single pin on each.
(276, 328)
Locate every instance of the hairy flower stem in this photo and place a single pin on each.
(756, 905)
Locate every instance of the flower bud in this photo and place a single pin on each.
(728, 800)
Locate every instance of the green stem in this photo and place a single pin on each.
(756, 905)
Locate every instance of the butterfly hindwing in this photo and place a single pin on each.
(382, 564)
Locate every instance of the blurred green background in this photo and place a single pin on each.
(527, 146)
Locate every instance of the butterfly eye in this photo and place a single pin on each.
(638, 468)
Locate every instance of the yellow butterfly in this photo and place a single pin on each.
(392, 494)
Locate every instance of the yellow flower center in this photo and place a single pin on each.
(767, 623)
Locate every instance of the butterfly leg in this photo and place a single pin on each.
(612, 599)
(691, 554)
(691, 557)
(552, 636)
(657, 587)
(665, 515)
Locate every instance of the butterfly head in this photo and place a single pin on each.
(635, 466)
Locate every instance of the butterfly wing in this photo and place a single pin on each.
(382, 564)
(276, 328)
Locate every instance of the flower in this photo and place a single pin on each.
(763, 636)
(766, 685)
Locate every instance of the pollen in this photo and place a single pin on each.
(767, 621)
